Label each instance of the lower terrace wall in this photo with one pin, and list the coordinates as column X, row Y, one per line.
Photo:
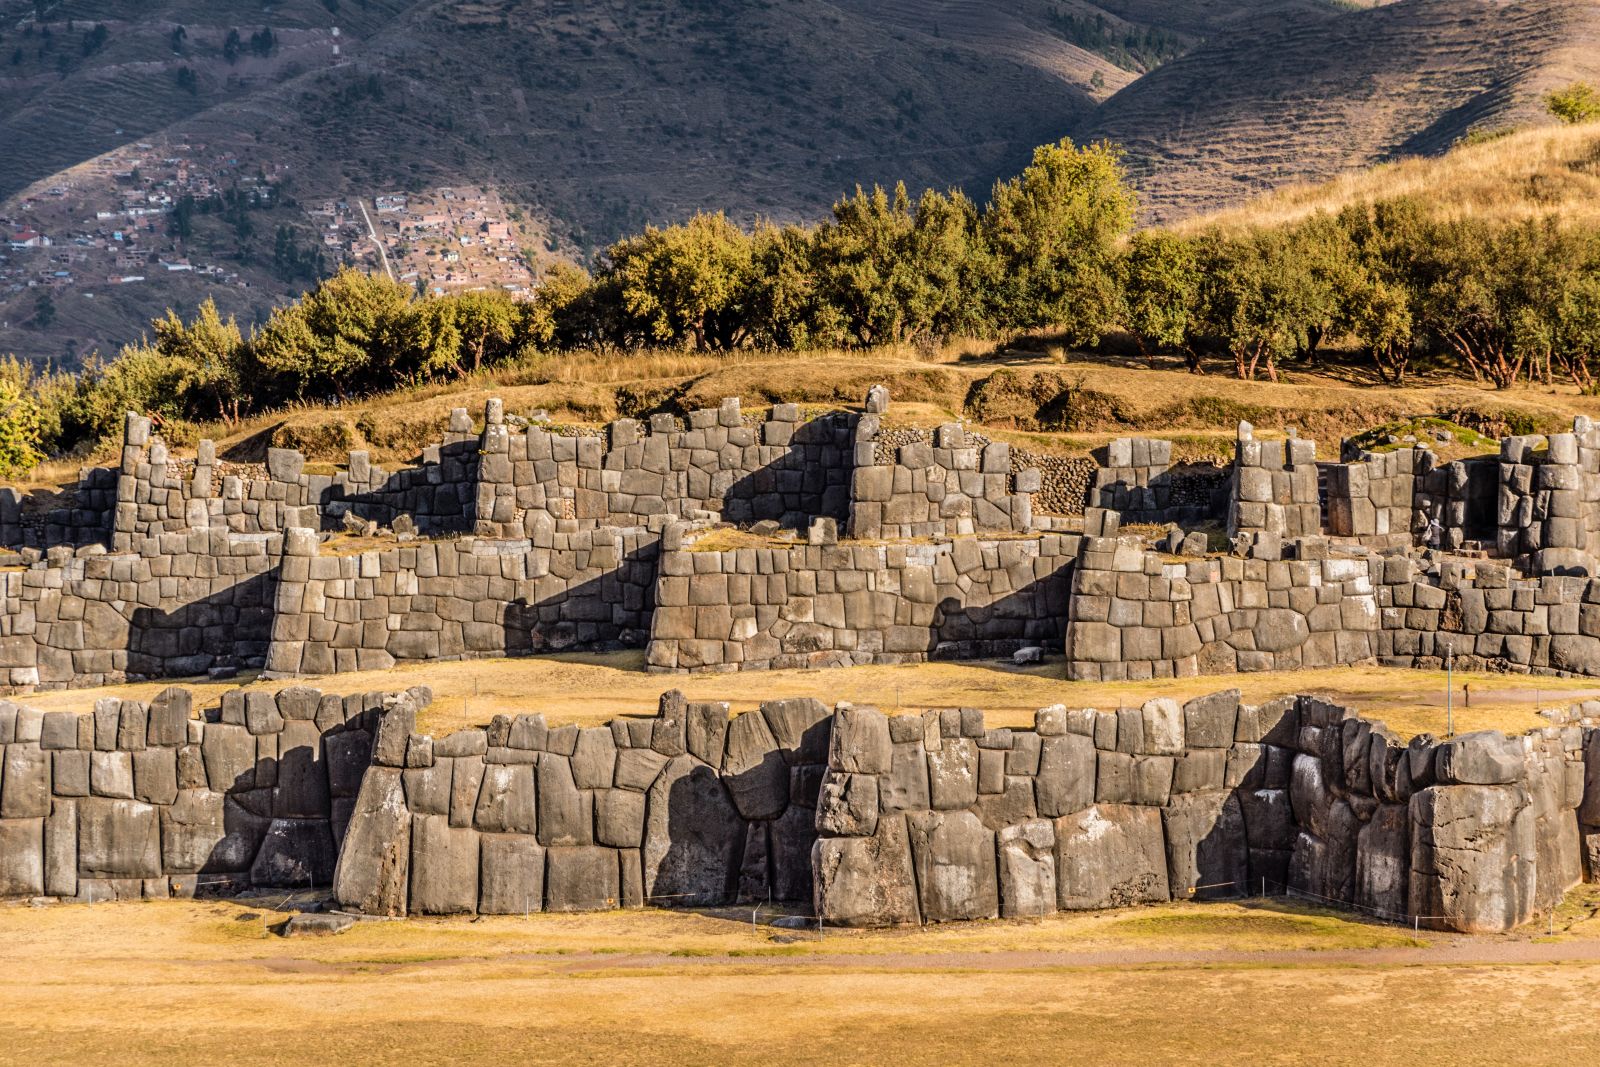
column 1135, row 614
column 429, row 600
column 877, row 820
column 142, row 800
column 686, row 809
column 938, row 818
column 855, row 603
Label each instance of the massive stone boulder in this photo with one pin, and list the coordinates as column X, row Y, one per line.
column 693, row 837
column 1110, row 856
column 866, row 881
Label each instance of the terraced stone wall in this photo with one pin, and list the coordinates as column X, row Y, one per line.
column 1137, row 614
column 938, row 818
column 855, row 603
column 454, row 599
column 143, row 800
column 689, row 808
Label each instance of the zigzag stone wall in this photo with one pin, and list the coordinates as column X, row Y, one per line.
column 686, row 809
column 938, row 819
column 143, row 800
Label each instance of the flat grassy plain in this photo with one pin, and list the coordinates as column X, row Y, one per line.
column 590, row 689
column 1267, row 983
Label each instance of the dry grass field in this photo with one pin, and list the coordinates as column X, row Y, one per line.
column 591, row 689
column 1254, row 983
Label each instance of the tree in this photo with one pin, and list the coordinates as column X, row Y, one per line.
column 685, row 281
column 1475, row 279
column 787, row 307
column 1161, row 287
column 231, row 47
column 488, row 321
column 44, row 311
column 1257, row 297
column 344, row 335
column 1053, row 233
column 214, row 358
column 1574, row 103
column 19, row 430
column 1383, row 322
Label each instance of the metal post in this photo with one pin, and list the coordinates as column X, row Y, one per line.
column 1449, row 691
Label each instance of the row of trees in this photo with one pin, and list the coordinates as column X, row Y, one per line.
column 1054, row 249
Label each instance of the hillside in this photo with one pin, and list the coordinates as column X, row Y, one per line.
column 571, row 122
column 1309, row 100
column 1534, row 173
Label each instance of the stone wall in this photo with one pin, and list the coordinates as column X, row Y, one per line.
column 180, row 604
column 686, row 809
column 1275, row 487
column 1137, row 480
column 1549, row 506
column 949, row 488
column 143, row 800
column 558, row 590
column 938, row 818
column 853, row 603
column 1135, row 614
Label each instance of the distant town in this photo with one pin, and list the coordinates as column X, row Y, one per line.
column 111, row 222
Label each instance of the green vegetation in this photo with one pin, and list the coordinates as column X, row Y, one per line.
column 19, row 427
column 1574, row 103
column 1053, row 251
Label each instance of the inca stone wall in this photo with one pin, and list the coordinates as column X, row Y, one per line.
column 143, row 800
column 1135, row 614
column 877, row 820
column 685, row 809
column 1275, row 487
column 466, row 598
column 938, row 818
column 852, row 603
column 949, row 488
column 1137, row 480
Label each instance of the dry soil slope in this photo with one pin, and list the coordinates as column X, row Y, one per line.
column 1309, row 99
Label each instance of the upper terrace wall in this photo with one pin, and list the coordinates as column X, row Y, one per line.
column 824, row 605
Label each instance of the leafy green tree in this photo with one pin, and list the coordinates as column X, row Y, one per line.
column 19, row 430
column 1257, row 297
column 1574, row 103
column 489, row 322
column 1161, row 286
column 1053, row 233
column 1476, row 279
column 344, row 335
column 685, row 282
column 215, row 359
column 787, row 307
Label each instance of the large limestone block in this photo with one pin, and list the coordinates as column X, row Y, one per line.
column 693, row 836
column 507, row 800
column 511, row 876
column 954, row 856
column 302, row 790
column 375, row 862
column 191, row 829
column 229, row 753
column 860, row 740
column 1383, row 861
column 953, row 774
column 848, row 805
column 566, row 814
column 1325, row 864
column 1027, row 868
column 1066, row 779
column 791, row 837
column 582, row 878
column 905, row 787
column 1487, row 757
column 1110, row 856
column 22, row 857
column 60, row 849
column 754, row 769
column 1472, row 857
column 801, row 726
column 594, row 760
column 444, row 867
column 296, row 853
column 1209, row 721
column 25, row 782
column 118, row 839
column 619, row 818
column 1208, row 855
column 866, row 881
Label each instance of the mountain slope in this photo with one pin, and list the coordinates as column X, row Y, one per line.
column 1310, row 99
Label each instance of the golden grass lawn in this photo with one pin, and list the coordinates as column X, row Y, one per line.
column 203, row 982
column 592, row 689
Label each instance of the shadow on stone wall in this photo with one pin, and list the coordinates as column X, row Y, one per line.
column 230, row 629
column 793, row 491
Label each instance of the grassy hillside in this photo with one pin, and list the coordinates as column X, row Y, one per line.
column 1534, row 173
column 1306, row 101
